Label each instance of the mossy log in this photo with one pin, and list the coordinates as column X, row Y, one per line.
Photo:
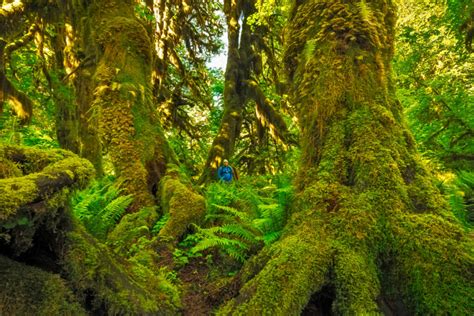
column 116, row 286
column 37, row 229
column 368, row 226
column 38, row 193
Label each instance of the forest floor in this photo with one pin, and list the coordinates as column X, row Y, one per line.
column 194, row 277
column 204, row 286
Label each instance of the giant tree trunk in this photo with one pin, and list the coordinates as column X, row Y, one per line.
column 369, row 232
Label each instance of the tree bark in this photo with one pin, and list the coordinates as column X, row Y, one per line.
column 367, row 221
column 121, row 97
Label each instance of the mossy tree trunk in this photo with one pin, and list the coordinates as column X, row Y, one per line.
column 121, row 97
column 368, row 226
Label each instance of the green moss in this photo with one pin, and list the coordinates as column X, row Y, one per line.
column 356, row 281
column 9, row 169
column 434, row 264
column 376, row 224
column 119, row 286
column 182, row 203
column 288, row 278
column 38, row 198
column 27, row 290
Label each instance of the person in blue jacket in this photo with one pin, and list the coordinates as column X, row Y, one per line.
column 226, row 173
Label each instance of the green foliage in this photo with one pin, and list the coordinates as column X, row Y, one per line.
column 26, row 74
column 143, row 12
column 460, row 15
column 243, row 216
column 160, row 223
column 460, row 192
column 434, row 82
column 100, row 206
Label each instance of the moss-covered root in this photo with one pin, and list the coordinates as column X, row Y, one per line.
column 433, row 266
column 299, row 266
column 356, row 282
column 112, row 285
column 182, row 203
column 426, row 266
column 27, row 290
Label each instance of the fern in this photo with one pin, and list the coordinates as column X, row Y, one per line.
column 100, row 206
column 246, row 217
column 461, row 197
column 233, row 212
column 160, row 223
column 271, row 237
column 115, row 209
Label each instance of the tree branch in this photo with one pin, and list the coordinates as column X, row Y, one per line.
column 22, row 104
column 267, row 115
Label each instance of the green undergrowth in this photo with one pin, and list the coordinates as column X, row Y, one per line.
column 241, row 217
column 461, row 197
column 100, row 206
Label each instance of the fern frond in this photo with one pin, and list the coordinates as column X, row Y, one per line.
column 218, row 242
column 221, row 217
column 235, row 253
column 272, row 237
column 263, row 224
column 115, row 209
column 239, row 231
column 232, row 211
column 465, row 180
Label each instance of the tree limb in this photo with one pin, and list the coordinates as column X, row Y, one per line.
column 21, row 103
column 267, row 115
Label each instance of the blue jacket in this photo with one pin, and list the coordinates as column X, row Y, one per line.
column 225, row 173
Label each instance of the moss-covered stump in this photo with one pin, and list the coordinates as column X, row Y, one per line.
column 38, row 194
column 28, row 290
column 182, row 203
column 369, row 228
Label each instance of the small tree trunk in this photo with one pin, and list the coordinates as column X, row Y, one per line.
column 237, row 73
